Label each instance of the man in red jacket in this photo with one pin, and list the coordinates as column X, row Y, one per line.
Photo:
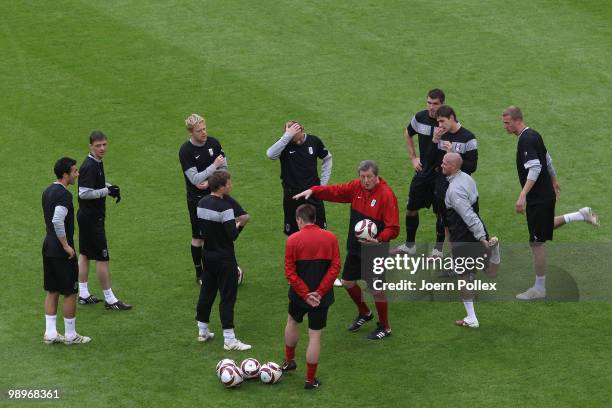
column 312, row 263
column 370, row 197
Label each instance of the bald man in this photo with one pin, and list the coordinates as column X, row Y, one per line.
column 467, row 234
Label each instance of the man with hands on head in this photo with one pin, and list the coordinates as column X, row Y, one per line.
column 298, row 152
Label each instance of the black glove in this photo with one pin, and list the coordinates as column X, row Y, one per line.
column 115, row 192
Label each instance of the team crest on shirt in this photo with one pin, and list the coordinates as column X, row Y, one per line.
column 310, row 150
column 373, row 203
column 211, row 152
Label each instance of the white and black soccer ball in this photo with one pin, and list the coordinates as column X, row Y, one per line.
column 230, row 376
column 250, row 368
column 223, row 363
column 270, row 373
column 365, row 229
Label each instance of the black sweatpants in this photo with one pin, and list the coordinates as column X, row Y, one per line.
column 222, row 277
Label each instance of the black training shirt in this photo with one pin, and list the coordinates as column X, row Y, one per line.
column 200, row 158
column 57, row 195
column 299, row 163
column 91, row 176
column 531, row 150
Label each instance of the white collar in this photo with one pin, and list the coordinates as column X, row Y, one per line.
column 94, row 157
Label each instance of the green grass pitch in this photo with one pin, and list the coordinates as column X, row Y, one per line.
column 353, row 73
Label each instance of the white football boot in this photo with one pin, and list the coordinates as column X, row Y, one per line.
column 204, row 336
column 467, row 322
column 405, row 249
column 531, row 294
column 236, row 344
column 589, row 216
column 78, row 339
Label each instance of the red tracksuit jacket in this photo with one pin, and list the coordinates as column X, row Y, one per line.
column 312, row 263
column 378, row 204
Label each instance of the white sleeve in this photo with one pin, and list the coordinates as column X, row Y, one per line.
column 277, row 148
column 59, row 215
column 91, row 194
column 326, row 169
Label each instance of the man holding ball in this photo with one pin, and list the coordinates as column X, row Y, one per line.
column 370, row 197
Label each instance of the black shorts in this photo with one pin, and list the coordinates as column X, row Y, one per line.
column 92, row 239
column 61, row 275
column 351, row 271
column 290, row 205
column 540, row 221
column 475, row 257
column 192, row 207
column 317, row 317
column 421, row 194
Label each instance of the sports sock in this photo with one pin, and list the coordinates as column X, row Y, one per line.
column 495, row 255
column 289, row 352
column 469, row 308
column 196, row 256
column 540, row 283
column 382, row 307
column 355, row 294
column 311, row 370
column 573, row 217
column 70, row 328
column 202, row 328
column 109, row 296
column 84, row 290
column 412, row 224
column 229, row 335
column 51, row 328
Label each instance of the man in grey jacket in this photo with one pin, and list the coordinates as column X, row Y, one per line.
column 468, row 236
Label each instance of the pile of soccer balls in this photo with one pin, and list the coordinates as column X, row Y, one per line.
column 232, row 375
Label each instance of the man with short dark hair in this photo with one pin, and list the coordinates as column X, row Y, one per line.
column 200, row 157
column 59, row 258
column 220, row 229
column 372, row 198
column 453, row 137
column 421, row 194
column 312, row 263
column 540, row 191
column 93, row 190
column 298, row 152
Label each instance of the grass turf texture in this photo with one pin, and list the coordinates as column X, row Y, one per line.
column 353, row 73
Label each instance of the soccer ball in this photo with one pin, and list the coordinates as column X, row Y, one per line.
column 240, row 275
column 270, row 373
column 230, row 376
column 365, row 229
column 223, row 363
column 250, row 368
